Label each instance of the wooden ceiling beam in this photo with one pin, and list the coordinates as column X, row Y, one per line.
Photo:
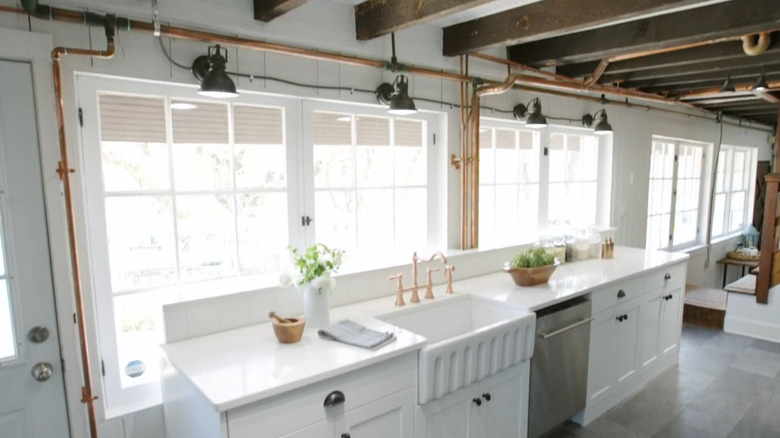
column 546, row 19
column 722, row 20
column 693, row 86
column 267, row 10
column 375, row 18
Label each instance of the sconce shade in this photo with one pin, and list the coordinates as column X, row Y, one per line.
column 397, row 96
column 761, row 83
column 215, row 82
column 602, row 126
column 535, row 118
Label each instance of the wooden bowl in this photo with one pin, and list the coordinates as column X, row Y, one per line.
column 289, row 332
column 531, row 276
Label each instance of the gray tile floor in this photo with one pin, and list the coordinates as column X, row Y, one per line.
column 725, row 386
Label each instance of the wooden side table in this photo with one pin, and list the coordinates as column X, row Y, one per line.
column 744, row 263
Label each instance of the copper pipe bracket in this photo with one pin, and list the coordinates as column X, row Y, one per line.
column 61, row 170
column 455, row 161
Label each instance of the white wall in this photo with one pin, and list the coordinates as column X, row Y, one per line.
column 330, row 26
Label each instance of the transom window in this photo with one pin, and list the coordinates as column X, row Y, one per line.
column 675, row 193
column 733, row 190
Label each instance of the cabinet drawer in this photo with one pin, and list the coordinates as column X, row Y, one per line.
column 616, row 293
column 667, row 276
column 305, row 406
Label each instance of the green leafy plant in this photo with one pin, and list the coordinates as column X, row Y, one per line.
column 532, row 258
column 314, row 266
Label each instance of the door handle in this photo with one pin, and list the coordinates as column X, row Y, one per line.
column 333, row 399
column 565, row 329
column 42, row 371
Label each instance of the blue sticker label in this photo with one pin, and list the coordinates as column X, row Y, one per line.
column 135, row 368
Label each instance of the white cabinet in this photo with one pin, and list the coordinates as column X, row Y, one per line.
column 613, row 350
column 496, row 407
column 635, row 335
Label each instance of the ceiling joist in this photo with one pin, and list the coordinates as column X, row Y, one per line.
column 375, row 18
column 267, row 10
column 723, row 20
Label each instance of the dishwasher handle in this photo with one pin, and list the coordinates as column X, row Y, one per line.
column 565, row 329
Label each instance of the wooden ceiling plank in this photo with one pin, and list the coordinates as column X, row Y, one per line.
column 722, row 20
column 267, row 10
column 375, row 18
column 736, row 67
column 716, row 78
column 712, row 53
column 545, row 19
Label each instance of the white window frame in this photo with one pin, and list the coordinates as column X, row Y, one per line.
column 728, row 163
column 704, row 185
column 603, row 182
column 117, row 400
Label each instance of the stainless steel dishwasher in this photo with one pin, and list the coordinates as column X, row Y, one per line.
column 559, row 366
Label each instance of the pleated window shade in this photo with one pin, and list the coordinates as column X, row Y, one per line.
column 485, row 138
column 258, row 125
column 132, row 118
column 408, row 133
column 505, row 139
column 330, row 131
column 206, row 124
column 373, row 131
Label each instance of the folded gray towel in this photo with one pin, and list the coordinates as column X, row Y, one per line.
column 351, row 333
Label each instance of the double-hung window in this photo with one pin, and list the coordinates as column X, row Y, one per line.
column 676, row 193
column 530, row 179
column 733, row 200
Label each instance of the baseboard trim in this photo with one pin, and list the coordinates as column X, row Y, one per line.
column 741, row 326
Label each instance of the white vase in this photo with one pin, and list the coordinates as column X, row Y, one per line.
column 315, row 307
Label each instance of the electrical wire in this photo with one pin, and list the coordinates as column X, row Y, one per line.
column 165, row 52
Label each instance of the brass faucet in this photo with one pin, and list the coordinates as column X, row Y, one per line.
column 399, row 293
column 448, row 272
column 415, row 287
column 429, row 285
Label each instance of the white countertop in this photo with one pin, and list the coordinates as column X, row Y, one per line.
column 245, row 365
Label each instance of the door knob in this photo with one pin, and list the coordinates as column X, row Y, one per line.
column 38, row 334
column 42, row 371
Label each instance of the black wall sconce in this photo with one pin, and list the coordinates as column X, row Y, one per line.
column 602, row 125
column 210, row 71
column 534, row 112
column 397, row 96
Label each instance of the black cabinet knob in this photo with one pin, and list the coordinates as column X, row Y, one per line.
column 621, row 293
column 620, row 318
column 668, row 276
column 333, row 399
column 477, row 401
column 486, row 396
column 345, row 435
column 625, row 317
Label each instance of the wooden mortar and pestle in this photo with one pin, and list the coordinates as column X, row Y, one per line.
column 287, row 330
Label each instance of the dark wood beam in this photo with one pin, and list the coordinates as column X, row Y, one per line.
column 267, row 10
column 736, row 66
column 702, row 84
column 711, row 53
column 375, row 18
column 545, row 19
column 729, row 19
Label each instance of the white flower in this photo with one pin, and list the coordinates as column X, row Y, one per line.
column 319, row 281
column 285, row 280
column 324, row 258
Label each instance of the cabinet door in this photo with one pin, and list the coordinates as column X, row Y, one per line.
column 455, row 415
column 501, row 412
column 600, row 363
column 671, row 322
column 388, row 417
column 651, row 311
column 625, row 336
column 323, row 429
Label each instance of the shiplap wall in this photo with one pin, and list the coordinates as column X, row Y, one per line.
column 330, row 26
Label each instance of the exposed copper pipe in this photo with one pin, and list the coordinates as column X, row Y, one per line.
column 520, row 66
column 11, row 9
column 64, row 170
column 464, row 111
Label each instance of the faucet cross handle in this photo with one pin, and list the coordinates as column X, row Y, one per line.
column 448, row 272
column 399, row 293
column 429, row 284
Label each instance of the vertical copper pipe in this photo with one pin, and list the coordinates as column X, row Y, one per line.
column 87, row 394
column 474, row 160
column 463, row 140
